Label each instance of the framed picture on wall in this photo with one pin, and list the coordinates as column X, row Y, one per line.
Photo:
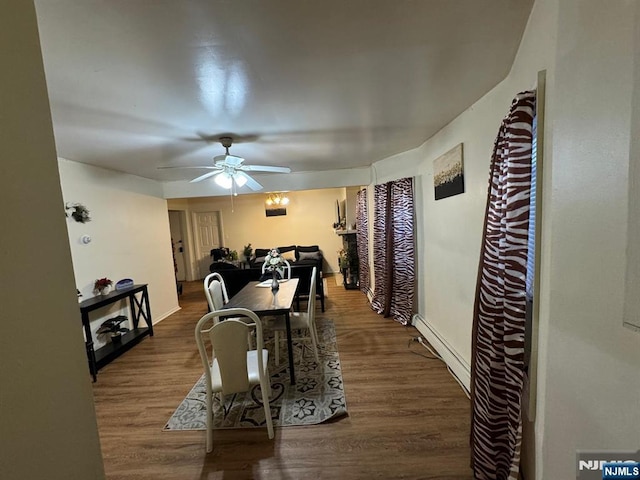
column 448, row 173
column 275, row 211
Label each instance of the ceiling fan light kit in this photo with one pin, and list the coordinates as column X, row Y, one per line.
column 229, row 169
column 224, row 180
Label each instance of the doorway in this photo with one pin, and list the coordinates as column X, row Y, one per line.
column 177, row 232
column 207, row 235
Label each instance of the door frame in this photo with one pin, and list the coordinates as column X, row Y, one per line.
column 187, row 241
column 195, row 269
column 181, row 217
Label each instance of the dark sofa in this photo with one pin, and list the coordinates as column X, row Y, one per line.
column 301, row 258
column 295, row 254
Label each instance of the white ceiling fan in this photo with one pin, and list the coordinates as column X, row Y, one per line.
column 229, row 169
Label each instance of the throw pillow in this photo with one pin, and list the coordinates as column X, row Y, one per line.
column 300, row 249
column 283, row 250
column 309, row 256
column 289, row 256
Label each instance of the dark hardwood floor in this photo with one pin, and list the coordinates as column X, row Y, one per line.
column 408, row 418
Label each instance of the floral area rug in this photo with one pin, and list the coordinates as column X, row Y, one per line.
column 317, row 396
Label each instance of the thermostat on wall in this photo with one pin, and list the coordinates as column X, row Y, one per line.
column 124, row 284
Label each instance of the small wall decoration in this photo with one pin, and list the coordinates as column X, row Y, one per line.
column 275, row 212
column 276, row 204
column 448, row 175
column 77, row 211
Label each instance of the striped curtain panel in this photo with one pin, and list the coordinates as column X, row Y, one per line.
column 394, row 250
column 362, row 238
column 499, row 312
column 381, row 207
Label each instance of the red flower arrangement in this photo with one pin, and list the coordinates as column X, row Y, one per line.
column 102, row 283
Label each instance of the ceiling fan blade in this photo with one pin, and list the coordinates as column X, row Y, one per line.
column 251, row 183
column 204, row 177
column 209, row 167
column 265, row 168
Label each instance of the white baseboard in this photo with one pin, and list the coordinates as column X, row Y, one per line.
column 167, row 314
column 451, row 357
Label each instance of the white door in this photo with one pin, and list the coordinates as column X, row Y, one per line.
column 207, row 226
column 175, row 225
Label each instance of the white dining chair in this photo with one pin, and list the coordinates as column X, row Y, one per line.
column 284, row 271
column 285, row 274
column 216, row 291
column 230, row 367
column 299, row 321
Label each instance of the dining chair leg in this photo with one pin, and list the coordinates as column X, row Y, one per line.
column 264, row 387
column 276, row 346
column 314, row 341
column 269, row 391
column 302, row 348
column 209, row 441
column 292, row 373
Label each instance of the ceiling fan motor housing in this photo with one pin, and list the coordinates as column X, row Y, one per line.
column 226, row 142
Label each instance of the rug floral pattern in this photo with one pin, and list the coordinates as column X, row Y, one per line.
column 317, row 396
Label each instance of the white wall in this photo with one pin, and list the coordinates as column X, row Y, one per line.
column 130, row 235
column 351, row 200
column 588, row 390
column 592, row 379
column 47, row 419
column 449, row 248
column 632, row 299
column 309, row 221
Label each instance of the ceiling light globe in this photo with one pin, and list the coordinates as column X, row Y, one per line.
column 224, row 180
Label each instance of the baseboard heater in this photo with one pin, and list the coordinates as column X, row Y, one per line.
column 457, row 365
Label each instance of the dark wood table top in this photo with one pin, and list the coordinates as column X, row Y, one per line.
column 262, row 301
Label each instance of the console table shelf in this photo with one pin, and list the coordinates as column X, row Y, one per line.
column 138, row 307
column 112, row 350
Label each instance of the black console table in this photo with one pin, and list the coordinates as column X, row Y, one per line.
column 139, row 307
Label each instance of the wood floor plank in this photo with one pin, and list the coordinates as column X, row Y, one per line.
column 408, row 418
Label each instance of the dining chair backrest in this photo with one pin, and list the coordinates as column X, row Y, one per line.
column 229, row 345
column 228, row 340
column 301, row 321
column 216, row 291
column 311, row 304
column 232, row 367
column 284, row 270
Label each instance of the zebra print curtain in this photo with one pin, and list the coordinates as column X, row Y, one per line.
column 499, row 312
column 394, row 250
column 362, row 237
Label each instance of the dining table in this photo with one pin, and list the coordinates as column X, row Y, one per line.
column 263, row 301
